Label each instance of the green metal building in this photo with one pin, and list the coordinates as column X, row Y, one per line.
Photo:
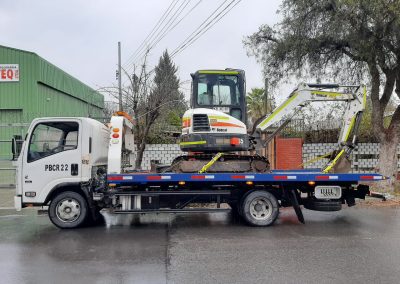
column 32, row 87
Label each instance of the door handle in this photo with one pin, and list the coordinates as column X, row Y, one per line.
column 74, row 169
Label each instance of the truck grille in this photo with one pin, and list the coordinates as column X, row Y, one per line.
column 200, row 123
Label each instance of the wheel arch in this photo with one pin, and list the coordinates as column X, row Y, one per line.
column 62, row 187
column 274, row 191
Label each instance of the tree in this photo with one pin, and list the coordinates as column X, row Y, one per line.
column 348, row 40
column 164, row 94
column 148, row 98
column 168, row 126
column 258, row 105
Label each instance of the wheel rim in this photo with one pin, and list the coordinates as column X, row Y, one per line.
column 261, row 208
column 68, row 210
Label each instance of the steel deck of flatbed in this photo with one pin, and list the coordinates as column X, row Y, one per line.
column 273, row 177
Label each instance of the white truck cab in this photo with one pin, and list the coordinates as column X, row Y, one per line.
column 58, row 153
column 63, row 159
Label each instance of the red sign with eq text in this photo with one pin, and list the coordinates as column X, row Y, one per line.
column 9, row 72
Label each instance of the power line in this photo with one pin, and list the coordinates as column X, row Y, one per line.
column 208, row 23
column 200, row 26
column 155, row 28
column 203, row 29
column 167, row 29
column 161, row 32
column 195, row 39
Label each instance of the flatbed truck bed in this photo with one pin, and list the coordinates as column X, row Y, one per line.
column 140, row 193
column 273, row 177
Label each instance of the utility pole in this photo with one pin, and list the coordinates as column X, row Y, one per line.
column 119, row 77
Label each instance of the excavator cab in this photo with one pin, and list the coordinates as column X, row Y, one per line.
column 221, row 90
column 216, row 121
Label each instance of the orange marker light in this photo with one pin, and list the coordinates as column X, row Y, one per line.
column 249, row 182
column 181, row 183
column 235, row 141
column 115, row 129
column 311, row 183
column 115, row 135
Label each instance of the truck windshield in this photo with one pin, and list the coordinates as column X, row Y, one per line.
column 52, row 137
column 218, row 90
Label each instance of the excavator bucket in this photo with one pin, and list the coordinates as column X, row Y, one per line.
column 341, row 165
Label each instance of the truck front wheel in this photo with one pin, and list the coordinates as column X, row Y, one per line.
column 68, row 210
column 260, row 208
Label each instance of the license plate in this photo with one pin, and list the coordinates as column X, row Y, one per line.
column 327, row 192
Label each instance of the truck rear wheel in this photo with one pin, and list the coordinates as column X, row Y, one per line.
column 68, row 210
column 260, row 208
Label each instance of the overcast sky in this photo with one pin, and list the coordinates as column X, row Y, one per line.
column 81, row 37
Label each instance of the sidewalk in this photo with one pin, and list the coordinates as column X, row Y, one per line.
column 7, row 198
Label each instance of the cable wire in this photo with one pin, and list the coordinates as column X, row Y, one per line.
column 161, row 33
column 155, row 28
column 191, row 39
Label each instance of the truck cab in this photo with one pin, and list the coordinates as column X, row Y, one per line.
column 58, row 153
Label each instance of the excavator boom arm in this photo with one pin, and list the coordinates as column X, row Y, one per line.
column 307, row 93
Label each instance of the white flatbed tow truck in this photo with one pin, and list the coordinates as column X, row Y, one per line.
column 79, row 166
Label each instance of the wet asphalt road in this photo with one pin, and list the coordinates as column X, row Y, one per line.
column 356, row 245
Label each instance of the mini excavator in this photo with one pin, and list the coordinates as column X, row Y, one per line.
column 215, row 129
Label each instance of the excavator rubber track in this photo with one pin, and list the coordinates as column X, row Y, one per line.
column 226, row 163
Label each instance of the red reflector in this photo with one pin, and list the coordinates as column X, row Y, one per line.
column 115, row 178
column 154, row 177
column 367, row 177
column 322, row 177
column 280, row 177
column 198, row 177
column 115, row 135
column 238, row 177
column 235, row 141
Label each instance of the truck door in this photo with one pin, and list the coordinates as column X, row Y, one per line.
column 51, row 158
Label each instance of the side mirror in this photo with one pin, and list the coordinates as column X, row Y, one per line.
column 14, row 148
column 16, row 145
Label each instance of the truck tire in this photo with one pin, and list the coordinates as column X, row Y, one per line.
column 327, row 206
column 68, row 210
column 260, row 208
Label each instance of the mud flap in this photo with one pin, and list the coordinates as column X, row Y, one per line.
column 296, row 206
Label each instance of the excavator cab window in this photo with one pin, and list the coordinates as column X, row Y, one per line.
column 217, row 90
column 221, row 92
